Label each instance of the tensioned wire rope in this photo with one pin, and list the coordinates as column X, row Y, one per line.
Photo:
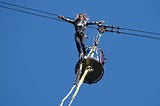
column 53, row 14
column 11, row 4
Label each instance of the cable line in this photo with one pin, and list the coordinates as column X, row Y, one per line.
column 132, row 34
column 112, row 28
column 154, row 33
column 135, row 30
column 28, row 8
column 27, row 12
column 40, row 11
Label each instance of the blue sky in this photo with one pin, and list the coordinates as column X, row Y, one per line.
column 38, row 55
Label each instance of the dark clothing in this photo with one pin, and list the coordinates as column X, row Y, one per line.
column 80, row 41
column 80, row 35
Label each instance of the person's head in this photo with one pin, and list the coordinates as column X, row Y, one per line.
column 82, row 17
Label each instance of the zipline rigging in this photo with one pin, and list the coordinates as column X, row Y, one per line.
column 117, row 29
column 90, row 67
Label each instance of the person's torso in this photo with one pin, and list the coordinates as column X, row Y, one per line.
column 80, row 26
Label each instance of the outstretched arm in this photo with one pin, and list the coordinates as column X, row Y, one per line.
column 66, row 19
column 96, row 23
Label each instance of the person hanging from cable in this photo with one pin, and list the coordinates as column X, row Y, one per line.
column 80, row 23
